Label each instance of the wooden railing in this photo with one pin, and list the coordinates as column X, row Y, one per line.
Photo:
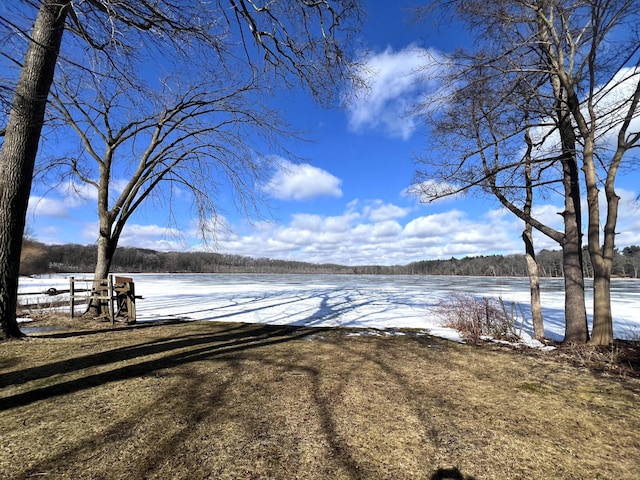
column 116, row 296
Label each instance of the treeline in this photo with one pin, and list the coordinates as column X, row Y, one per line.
column 39, row 258
column 626, row 263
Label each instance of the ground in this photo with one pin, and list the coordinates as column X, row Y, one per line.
column 225, row 400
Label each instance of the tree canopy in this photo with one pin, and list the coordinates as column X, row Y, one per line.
column 142, row 48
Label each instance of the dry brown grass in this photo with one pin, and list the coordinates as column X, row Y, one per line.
column 232, row 401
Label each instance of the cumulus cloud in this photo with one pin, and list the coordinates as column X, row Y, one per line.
column 366, row 232
column 294, row 181
column 48, row 207
column 154, row 237
column 381, row 230
column 60, row 201
column 612, row 102
column 611, row 105
column 380, row 212
column 434, row 225
column 394, row 83
column 374, row 232
column 549, row 214
column 431, row 191
column 320, row 223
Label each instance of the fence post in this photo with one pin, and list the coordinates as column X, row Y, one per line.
column 72, row 302
column 110, row 295
column 131, row 302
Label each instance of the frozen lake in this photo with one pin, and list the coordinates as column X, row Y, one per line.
column 367, row 301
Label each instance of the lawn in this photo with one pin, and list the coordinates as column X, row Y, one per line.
column 246, row 401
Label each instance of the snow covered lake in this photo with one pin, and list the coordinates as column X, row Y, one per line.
column 364, row 301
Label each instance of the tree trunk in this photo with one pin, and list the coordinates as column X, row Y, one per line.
column 602, row 319
column 527, row 237
column 576, row 327
column 534, row 284
column 20, row 147
column 106, row 249
column 601, row 256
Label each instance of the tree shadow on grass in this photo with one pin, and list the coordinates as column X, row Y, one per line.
column 226, row 343
column 174, row 350
column 199, row 402
column 58, row 331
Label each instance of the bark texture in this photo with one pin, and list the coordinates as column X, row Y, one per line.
column 534, row 284
column 576, row 327
column 20, row 148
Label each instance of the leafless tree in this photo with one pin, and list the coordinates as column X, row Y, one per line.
column 134, row 148
column 290, row 42
column 527, row 236
column 586, row 53
column 592, row 48
column 485, row 130
column 19, row 148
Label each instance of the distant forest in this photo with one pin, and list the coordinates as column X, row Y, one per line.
column 38, row 258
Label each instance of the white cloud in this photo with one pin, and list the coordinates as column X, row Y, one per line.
column 48, row 207
column 154, row 237
column 627, row 227
column 431, row 191
column 435, row 225
column 60, row 201
column 549, row 214
column 379, row 212
column 360, row 236
column 302, row 181
column 613, row 102
column 367, row 232
column 611, row 105
column 383, row 230
column 318, row 223
column 394, row 83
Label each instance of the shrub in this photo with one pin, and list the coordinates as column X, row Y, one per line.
column 476, row 317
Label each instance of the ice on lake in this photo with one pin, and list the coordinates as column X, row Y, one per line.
column 363, row 301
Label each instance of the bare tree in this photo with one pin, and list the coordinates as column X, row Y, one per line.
column 527, row 236
column 19, row 149
column 484, row 129
column 587, row 53
column 134, row 148
column 591, row 47
column 287, row 42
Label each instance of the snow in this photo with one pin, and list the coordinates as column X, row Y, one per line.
column 382, row 304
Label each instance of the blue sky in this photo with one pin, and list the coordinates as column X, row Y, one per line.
column 345, row 199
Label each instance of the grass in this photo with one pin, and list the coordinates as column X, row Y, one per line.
column 232, row 401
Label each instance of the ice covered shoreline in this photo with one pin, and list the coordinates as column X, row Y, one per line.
column 362, row 301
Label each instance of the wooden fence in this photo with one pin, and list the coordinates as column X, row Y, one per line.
column 115, row 295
